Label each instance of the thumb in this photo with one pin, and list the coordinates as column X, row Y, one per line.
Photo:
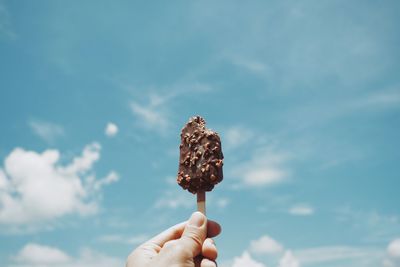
column 195, row 233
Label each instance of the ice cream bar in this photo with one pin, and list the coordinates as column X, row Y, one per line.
column 201, row 158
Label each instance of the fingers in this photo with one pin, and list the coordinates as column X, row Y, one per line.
column 209, row 250
column 204, row 262
column 175, row 232
column 213, row 229
column 207, row 263
column 155, row 244
column 172, row 233
column 194, row 234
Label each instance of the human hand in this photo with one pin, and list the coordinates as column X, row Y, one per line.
column 187, row 244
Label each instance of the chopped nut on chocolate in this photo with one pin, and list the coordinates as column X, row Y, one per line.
column 199, row 147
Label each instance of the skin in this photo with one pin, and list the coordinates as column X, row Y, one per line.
column 188, row 244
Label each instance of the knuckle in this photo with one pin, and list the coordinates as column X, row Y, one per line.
column 197, row 240
column 195, row 236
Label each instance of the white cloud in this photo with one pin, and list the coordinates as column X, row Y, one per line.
column 38, row 188
column 318, row 256
column 263, row 176
column 83, row 163
column 97, row 184
column 111, row 129
column 393, row 254
column 394, row 248
column 265, row 245
column 246, row 261
column 36, row 255
column 288, row 260
column 265, row 168
column 301, row 210
column 47, row 131
column 3, row 181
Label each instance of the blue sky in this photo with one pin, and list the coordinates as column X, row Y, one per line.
column 305, row 96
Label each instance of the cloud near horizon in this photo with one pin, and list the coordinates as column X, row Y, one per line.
column 37, row 255
column 246, row 260
column 265, row 245
column 393, row 254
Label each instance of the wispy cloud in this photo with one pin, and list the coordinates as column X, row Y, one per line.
column 236, row 136
column 301, row 210
column 254, row 66
column 150, row 116
column 266, row 167
column 379, row 99
column 332, row 110
column 377, row 226
column 47, row 131
column 155, row 113
column 222, row 202
column 173, row 200
column 6, row 30
column 299, row 59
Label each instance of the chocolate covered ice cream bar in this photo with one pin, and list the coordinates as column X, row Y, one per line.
column 201, row 158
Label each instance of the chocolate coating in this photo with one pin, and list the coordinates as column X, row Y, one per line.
column 201, row 158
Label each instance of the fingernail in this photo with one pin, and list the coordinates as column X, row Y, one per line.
column 197, row 219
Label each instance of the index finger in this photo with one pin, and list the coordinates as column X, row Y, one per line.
column 175, row 232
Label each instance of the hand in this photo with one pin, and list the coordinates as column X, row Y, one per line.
column 187, row 244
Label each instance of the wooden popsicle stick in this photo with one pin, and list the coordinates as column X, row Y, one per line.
column 201, row 202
